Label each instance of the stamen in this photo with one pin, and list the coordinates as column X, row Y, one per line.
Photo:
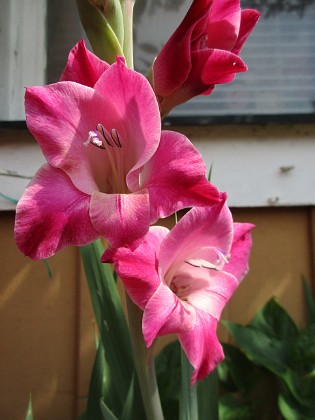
column 116, row 137
column 202, row 263
column 105, row 134
column 94, row 139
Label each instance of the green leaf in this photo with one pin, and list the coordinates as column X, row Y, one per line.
column 101, row 387
column 266, row 351
column 301, row 387
column 310, row 302
column 110, row 318
column 106, row 412
column 232, row 409
column 167, row 366
column 274, row 321
column 236, row 372
column 188, row 400
column 48, row 268
column 6, row 197
column 131, row 409
column 302, row 350
column 291, row 410
column 208, row 397
column 29, row 412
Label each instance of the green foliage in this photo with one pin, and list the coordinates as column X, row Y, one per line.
column 271, row 345
column 29, row 411
column 113, row 390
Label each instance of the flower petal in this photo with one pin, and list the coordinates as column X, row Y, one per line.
column 202, row 346
column 223, row 24
column 242, row 244
column 60, row 116
column 133, row 101
column 121, row 218
column 199, row 228
column 83, row 67
column 52, row 214
column 249, row 18
column 137, row 267
column 166, row 314
column 175, row 177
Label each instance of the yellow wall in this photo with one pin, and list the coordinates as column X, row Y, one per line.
column 47, row 328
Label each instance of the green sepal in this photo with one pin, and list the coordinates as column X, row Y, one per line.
column 100, row 33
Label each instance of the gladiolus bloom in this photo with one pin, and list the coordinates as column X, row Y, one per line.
column 182, row 279
column 110, row 170
column 203, row 51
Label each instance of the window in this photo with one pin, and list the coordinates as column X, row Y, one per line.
column 280, row 54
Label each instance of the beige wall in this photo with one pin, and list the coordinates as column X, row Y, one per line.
column 47, row 328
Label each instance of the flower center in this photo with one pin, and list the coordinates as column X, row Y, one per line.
column 111, row 142
column 187, row 277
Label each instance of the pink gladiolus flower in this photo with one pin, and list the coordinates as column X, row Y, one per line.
column 203, row 51
column 183, row 278
column 111, row 172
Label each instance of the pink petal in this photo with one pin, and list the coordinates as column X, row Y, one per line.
column 83, row 67
column 249, row 18
column 199, row 228
column 121, row 218
column 138, row 117
column 202, row 346
column 176, row 52
column 206, row 289
column 215, row 66
column 223, row 24
column 175, row 177
column 242, row 244
column 60, row 117
column 52, row 214
column 166, row 314
column 137, row 267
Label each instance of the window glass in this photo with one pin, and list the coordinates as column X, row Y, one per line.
column 280, row 54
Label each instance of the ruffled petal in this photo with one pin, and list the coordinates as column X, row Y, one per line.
column 83, row 67
column 60, row 117
column 249, row 18
column 166, row 314
column 175, row 177
column 242, row 244
column 121, row 218
column 52, row 214
column 137, row 268
column 198, row 229
column 202, row 346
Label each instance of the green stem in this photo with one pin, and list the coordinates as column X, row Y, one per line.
column 144, row 364
column 188, row 400
column 127, row 11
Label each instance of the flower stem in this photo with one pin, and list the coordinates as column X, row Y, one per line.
column 144, row 364
column 127, row 11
